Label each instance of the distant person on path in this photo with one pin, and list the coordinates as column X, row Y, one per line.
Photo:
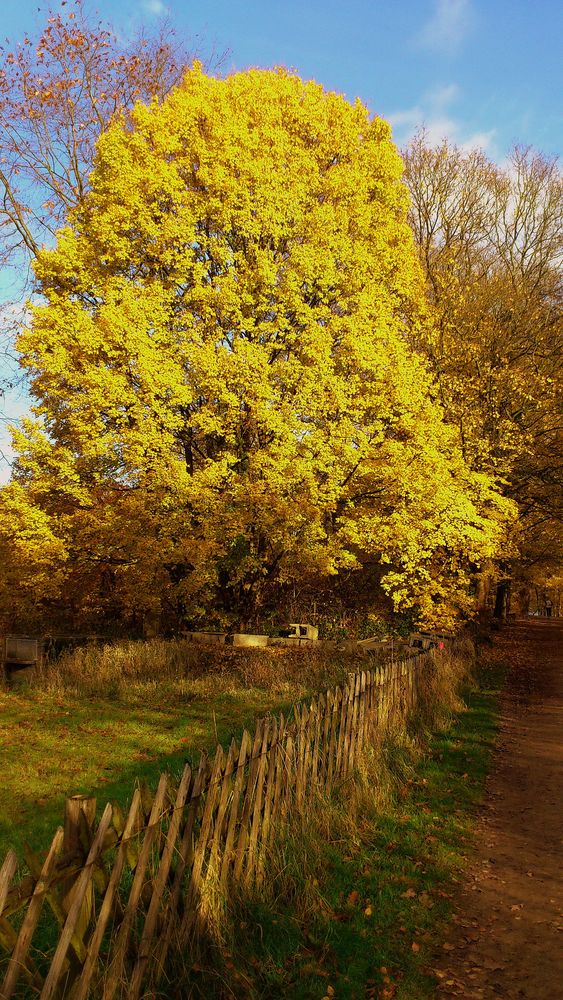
column 548, row 607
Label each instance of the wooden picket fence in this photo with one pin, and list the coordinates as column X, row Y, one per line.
column 104, row 912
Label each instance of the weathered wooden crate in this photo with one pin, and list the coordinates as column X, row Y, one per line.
column 305, row 631
column 208, row 638
column 248, row 639
column 421, row 640
column 22, row 651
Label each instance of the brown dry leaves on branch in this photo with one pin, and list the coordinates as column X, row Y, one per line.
column 57, row 94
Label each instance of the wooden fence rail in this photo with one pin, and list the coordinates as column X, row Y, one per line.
column 102, row 912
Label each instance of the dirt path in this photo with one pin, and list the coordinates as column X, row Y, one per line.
column 507, row 935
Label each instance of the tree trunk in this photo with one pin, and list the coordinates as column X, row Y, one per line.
column 502, row 600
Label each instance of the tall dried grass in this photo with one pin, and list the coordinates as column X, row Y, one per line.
column 295, row 863
column 132, row 671
column 441, row 684
column 381, row 771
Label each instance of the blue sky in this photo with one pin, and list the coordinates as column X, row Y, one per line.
column 481, row 72
column 487, row 72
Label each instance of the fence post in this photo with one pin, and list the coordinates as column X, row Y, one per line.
column 80, row 814
column 76, row 806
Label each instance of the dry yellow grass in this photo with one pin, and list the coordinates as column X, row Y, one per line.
column 130, row 669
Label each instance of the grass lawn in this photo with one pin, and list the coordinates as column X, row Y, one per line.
column 61, row 737
column 53, row 746
column 362, row 908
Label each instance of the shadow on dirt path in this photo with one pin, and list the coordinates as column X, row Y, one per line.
column 507, row 937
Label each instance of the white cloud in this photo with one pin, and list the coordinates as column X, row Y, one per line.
column 433, row 113
column 154, row 7
column 447, row 28
column 14, row 400
column 479, row 140
column 441, row 97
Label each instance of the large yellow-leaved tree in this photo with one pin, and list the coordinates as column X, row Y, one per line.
column 226, row 398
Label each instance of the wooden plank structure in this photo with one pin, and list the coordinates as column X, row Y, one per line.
column 101, row 913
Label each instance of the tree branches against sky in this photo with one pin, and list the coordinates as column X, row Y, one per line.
column 483, row 72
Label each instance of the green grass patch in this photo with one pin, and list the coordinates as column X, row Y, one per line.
column 53, row 746
column 101, row 718
column 359, row 901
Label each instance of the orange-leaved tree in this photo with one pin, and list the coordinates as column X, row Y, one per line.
column 58, row 92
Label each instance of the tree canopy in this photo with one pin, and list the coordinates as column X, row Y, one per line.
column 227, row 398
column 58, row 92
column 491, row 243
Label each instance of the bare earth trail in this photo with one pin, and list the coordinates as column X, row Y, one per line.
column 507, row 937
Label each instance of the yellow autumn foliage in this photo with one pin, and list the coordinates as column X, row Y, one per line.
column 226, row 399
column 490, row 240
column 32, row 556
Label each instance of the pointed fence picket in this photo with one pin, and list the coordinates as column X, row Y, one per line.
column 125, row 893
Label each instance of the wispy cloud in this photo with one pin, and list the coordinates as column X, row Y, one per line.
column 155, row 7
column 447, row 28
column 433, row 112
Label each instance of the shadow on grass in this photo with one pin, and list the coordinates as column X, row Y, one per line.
column 53, row 748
